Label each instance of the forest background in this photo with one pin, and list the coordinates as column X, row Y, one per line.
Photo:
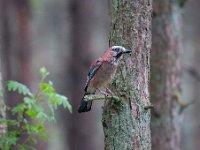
column 66, row 36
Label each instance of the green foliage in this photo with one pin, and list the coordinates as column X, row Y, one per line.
column 55, row 99
column 32, row 113
column 16, row 86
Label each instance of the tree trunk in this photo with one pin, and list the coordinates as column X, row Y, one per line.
column 165, row 75
column 127, row 123
column 195, row 110
column 15, row 48
column 191, row 79
column 2, row 103
column 2, row 109
column 82, row 133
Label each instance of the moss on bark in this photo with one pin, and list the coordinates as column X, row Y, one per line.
column 129, row 128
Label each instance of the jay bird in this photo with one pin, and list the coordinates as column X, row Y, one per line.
column 101, row 73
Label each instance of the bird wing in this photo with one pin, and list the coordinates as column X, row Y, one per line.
column 93, row 69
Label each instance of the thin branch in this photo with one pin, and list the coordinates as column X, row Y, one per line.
column 148, row 107
column 100, row 97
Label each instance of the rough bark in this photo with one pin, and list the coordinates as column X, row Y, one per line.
column 127, row 123
column 165, row 75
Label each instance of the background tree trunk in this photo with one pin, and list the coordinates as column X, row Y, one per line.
column 165, row 75
column 195, row 111
column 127, row 125
column 81, row 127
column 2, row 103
column 2, row 109
column 15, row 48
column 191, row 79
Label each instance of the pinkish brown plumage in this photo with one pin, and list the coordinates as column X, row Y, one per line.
column 101, row 73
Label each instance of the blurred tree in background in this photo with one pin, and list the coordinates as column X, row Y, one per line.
column 47, row 31
column 81, row 131
column 190, row 134
column 15, row 45
column 166, row 75
column 2, row 110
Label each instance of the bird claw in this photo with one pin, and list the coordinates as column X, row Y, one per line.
column 110, row 92
column 106, row 93
column 103, row 92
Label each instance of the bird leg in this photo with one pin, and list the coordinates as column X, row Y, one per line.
column 110, row 92
column 103, row 92
column 107, row 92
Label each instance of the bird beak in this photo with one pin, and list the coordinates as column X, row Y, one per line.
column 123, row 51
column 127, row 51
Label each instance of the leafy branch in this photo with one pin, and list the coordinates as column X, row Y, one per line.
column 32, row 113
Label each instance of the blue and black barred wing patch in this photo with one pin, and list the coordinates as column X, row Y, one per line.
column 92, row 72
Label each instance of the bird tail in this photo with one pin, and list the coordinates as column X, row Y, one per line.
column 85, row 106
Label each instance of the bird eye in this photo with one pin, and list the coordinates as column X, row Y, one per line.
column 116, row 50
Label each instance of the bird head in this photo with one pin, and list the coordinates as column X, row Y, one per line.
column 118, row 51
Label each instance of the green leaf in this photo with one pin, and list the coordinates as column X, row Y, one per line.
column 65, row 102
column 10, row 140
column 47, row 88
column 29, row 102
column 44, row 72
column 33, row 109
column 16, row 86
column 9, row 122
column 54, row 98
column 25, row 147
column 31, row 113
column 42, row 116
column 37, row 129
column 18, row 109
